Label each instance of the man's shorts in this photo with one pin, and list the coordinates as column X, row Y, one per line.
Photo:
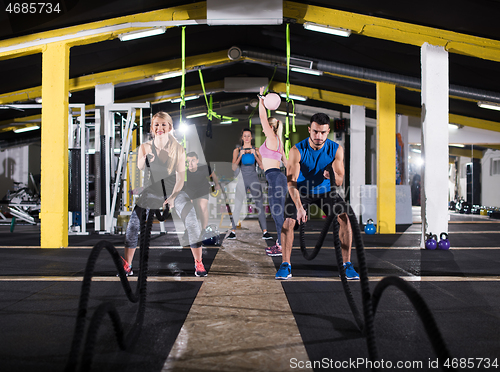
column 325, row 202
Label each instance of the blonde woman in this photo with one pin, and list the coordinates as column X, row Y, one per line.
column 164, row 160
column 272, row 155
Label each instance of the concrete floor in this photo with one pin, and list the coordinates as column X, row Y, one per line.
column 243, row 319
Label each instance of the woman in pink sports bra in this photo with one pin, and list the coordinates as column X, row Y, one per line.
column 272, row 155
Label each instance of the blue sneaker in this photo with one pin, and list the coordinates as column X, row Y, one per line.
column 350, row 273
column 284, row 272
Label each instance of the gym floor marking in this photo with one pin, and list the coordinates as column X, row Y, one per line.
column 294, row 279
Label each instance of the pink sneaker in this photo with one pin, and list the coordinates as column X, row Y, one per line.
column 199, row 269
column 127, row 268
column 273, row 251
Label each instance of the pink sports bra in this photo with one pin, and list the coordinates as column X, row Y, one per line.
column 271, row 154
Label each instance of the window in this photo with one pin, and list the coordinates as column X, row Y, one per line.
column 495, row 167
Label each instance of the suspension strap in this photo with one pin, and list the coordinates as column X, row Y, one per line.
column 210, row 112
column 183, row 82
column 288, row 144
column 183, row 59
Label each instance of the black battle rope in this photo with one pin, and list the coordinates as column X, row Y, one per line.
column 107, row 308
column 340, row 208
column 422, row 309
column 343, row 278
column 166, row 211
column 370, row 302
column 369, row 329
column 332, row 219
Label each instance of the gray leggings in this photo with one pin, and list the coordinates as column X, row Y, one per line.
column 184, row 210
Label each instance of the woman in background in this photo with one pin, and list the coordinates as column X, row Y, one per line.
column 246, row 157
column 272, row 155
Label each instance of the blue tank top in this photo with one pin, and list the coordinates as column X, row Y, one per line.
column 312, row 165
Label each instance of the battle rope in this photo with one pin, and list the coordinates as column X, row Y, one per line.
column 423, row 311
column 370, row 302
column 332, row 219
column 107, row 308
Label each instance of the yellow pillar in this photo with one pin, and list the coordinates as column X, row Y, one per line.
column 54, row 151
column 386, row 158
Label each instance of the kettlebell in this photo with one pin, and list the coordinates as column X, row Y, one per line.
column 431, row 242
column 444, row 243
column 370, row 227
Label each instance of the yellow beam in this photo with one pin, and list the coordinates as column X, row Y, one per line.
column 175, row 93
column 475, row 123
column 135, row 73
column 21, row 95
column 18, row 123
column 400, row 32
column 325, row 95
column 477, row 154
column 453, row 118
column 370, row 26
column 122, row 75
column 96, row 31
column 386, row 158
column 54, row 151
column 493, row 146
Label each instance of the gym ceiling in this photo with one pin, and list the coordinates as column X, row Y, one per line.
column 384, row 45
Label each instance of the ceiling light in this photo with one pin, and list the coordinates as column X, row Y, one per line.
column 307, row 71
column 284, row 113
column 27, row 129
column 140, row 34
column 327, row 29
column 168, row 75
column 457, row 145
column 196, row 115
column 183, row 127
column 189, row 98
column 489, row 105
column 294, row 97
column 416, row 150
column 226, row 122
column 453, row 126
column 38, row 100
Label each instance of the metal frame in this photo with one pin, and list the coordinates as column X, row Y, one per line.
column 119, row 171
column 81, row 137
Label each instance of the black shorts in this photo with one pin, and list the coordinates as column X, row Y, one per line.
column 325, row 201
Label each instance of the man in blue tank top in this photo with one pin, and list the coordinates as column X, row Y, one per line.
column 308, row 184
